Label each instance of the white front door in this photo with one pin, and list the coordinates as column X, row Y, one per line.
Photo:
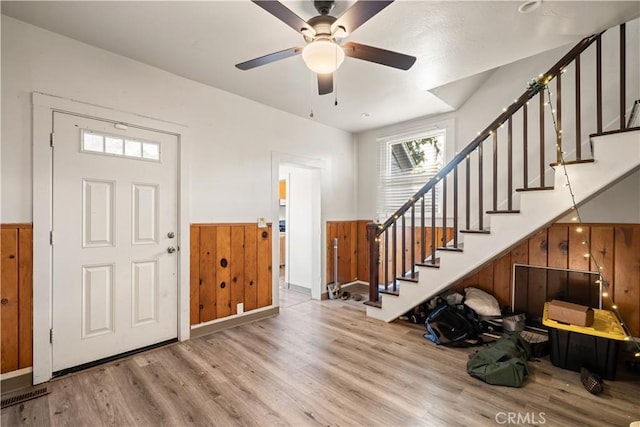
column 114, row 239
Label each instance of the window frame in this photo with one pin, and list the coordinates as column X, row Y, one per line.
column 384, row 166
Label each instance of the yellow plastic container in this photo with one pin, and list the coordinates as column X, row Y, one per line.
column 593, row 347
column 605, row 325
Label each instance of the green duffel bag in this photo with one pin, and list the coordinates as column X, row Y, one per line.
column 504, row 362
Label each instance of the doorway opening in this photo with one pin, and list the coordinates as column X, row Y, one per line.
column 298, row 254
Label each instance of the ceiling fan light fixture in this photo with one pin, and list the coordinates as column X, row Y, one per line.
column 323, row 56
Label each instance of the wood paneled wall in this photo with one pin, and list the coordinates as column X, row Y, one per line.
column 615, row 247
column 230, row 264
column 353, row 250
column 16, row 264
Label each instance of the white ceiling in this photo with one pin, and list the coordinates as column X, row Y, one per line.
column 456, row 43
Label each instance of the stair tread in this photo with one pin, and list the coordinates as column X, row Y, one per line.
column 376, row 304
column 572, row 162
column 408, row 278
column 534, row 189
column 449, row 248
column 471, row 231
column 429, row 264
column 386, row 292
column 507, row 211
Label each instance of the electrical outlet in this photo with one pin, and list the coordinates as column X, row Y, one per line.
column 240, row 308
column 262, row 223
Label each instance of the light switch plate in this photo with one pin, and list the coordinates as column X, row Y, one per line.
column 262, row 223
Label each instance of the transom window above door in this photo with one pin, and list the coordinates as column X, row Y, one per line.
column 112, row 145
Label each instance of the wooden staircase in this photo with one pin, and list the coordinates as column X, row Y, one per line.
column 616, row 156
column 512, row 214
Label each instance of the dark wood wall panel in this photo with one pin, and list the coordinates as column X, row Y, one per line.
column 223, row 275
column 236, row 267
column 615, row 249
column 602, row 238
column 207, row 275
column 362, row 249
column 579, row 236
column 9, row 329
column 250, row 267
column 348, row 234
column 194, row 275
column 265, row 290
column 16, row 293
column 625, row 287
column 231, row 264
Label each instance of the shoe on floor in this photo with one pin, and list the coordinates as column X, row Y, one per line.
column 590, row 381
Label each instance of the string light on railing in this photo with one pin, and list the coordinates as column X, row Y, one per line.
column 540, row 85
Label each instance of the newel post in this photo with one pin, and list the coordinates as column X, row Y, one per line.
column 374, row 255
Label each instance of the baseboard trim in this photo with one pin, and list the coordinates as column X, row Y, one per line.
column 16, row 380
column 233, row 321
column 298, row 288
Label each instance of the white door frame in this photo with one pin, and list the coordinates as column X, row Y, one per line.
column 318, row 254
column 42, row 200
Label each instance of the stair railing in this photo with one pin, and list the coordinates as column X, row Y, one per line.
column 383, row 238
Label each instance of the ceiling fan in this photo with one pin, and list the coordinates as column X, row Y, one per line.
column 323, row 53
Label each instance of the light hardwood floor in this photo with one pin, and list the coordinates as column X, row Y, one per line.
column 318, row 363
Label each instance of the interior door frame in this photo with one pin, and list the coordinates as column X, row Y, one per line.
column 317, row 167
column 43, row 107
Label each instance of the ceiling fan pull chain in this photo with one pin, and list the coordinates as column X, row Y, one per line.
column 335, row 80
column 311, row 87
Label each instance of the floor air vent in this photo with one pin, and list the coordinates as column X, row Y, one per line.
column 23, row 396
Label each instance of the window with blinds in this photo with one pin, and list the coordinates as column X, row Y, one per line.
column 405, row 167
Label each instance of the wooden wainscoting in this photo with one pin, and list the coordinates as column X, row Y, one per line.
column 230, row 264
column 616, row 248
column 353, row 250
column 16, row 249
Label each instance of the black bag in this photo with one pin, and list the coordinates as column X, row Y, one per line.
column 502, row 363
column 447, row 325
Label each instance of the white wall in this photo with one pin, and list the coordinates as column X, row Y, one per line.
column 619, row 204
column 231, row 139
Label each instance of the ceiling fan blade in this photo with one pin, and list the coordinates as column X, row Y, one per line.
column 377, row 55
column 267, row 59
column 284, row 14
column 359, row 13
column 325, row 83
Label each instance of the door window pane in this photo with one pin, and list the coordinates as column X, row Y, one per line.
column 151, row 151
column 132, row 148
column 92, row 142
column 113, row 145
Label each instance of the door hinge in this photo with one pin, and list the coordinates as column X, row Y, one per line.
column 51, row 237
column 51, row 139
column 51, row 336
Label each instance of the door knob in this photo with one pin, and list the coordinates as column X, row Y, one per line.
column 171, row 249
column 171, row 235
